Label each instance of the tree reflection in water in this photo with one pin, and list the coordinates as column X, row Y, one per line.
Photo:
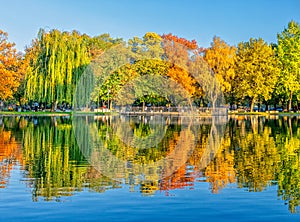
column 254, row 153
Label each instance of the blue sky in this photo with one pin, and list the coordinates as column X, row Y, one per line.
column 233, row 20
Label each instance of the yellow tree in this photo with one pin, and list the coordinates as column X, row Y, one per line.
column 221, row 58
column 11, row 68
column 256, row 71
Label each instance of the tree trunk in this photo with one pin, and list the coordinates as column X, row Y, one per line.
column 290, row 126
column 213, row 111
column 253, row 121
column 143, row 108
column 252, row 104
column 20, row 101
column 290, row 101
column 110, row 104
column 54, row 106
column 191, row 105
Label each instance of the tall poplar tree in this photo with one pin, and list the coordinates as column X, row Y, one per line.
column 289, row 57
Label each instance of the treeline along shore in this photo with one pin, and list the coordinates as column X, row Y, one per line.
column 251, row 76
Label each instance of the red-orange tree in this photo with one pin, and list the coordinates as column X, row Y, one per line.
column 177, row 52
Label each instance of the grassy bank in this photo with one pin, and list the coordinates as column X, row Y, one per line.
column 31, row 113
column 265, row 114
column 48, row 113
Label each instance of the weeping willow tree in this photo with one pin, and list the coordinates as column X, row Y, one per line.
column 58, row 60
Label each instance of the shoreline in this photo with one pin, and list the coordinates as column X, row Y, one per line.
column 34, row 114
column 8, row 113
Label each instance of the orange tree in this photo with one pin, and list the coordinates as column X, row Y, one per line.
column 11, row 68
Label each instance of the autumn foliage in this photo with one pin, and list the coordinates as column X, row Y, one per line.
column 11, row 68
column 251, row 73
column 10, row 154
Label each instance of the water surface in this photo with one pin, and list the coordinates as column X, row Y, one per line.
column 149, row 168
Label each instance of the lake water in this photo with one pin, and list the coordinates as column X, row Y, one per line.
column 119, row 168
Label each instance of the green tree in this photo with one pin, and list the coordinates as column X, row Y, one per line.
column 61, row 59
column 122, row 64
column 149, row 47
column 256, row 70
column 98, row 44
column 289, row 57
column 57, row 61
column 112, row 71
